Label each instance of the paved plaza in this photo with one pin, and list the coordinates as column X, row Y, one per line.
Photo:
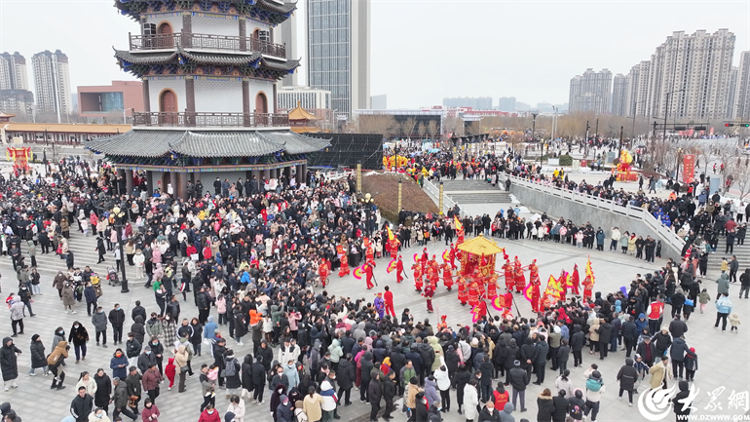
column 723, row 357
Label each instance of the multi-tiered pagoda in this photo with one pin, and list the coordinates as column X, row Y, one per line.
column 209, row 70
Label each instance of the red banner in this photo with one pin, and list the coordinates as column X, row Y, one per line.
column 688, row 168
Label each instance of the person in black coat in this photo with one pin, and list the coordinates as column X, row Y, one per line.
column 545, row 406
column 681, row 409
column 366, row 367
column 519, row 379
column 577, row 340
column 561, row 407
column 103, row 389
column 489, row 413
column 389, row 393
column 627, row 377
column 563, row 354
column 81, row 405
column 259, row 379
column 345, row 377
column 629, row 335
column 247, row 374
column 38, row 357
column 420, row 409
column 529, row 354
column 512, row 354
column 374, row 392
column 605, row 334
column 266, row 353
column 70, row 260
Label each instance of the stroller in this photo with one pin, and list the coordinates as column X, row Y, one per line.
column 112, row 277
column 96, row 282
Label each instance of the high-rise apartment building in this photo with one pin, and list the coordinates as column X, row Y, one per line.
column 477, row 103
column 688, row 77
column 741, row 109
column 731, row 107
column 591, row 92
column 13, row 72
column 506, row 104
column 338, row 51
column 52, row 83
column 619, row 95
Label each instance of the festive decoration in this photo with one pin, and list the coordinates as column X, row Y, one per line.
column 416, row 258
column 20, row 158
column 588, row 281
column 359, row 272
column 447, row 255
column 624, row 167
column 392, row 266
column 528, row 291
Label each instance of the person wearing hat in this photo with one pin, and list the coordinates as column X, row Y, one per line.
column 519, row 379
column 284, row 411
column 146, row 359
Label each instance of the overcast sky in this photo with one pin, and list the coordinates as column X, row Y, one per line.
column 423, row 51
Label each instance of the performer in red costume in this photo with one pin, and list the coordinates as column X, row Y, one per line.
column 442, row 325
column 428, row 293
column 433, row 272
column 463, row 295
column 343, row 260
column 417, row 276
column 473, row 294
column 324, row 270
column 452, row 254
column 518, row 276
column 563, row 284
column 370, row 256
column 393, row 247
column 575, row 278
column 535, row 293
column 368, row 273
column 447, row 276
column 388, row 297
column 509, row 281
column 588, row 287
column 399, row 270
column 423, row 260
column 534, row 273
column 492, row 286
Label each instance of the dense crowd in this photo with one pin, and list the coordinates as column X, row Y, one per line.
column 249, row 256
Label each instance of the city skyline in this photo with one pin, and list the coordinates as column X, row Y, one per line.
column 408, row 75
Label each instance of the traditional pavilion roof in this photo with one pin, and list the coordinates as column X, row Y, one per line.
column 263, row 10
column 205, row 144
column 299, row 113
column 480, row 245
column 179, row 61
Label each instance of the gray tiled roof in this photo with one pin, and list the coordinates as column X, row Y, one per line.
column 279, row 65
column 205, row 144
column 284, row 9
column 149, row 57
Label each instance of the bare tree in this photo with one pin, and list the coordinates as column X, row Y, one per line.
column 408, row 127
column 385, row 125
column 432, row 129
column 739, row 171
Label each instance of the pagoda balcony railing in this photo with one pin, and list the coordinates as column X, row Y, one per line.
column 201, row 119
column 205, row 41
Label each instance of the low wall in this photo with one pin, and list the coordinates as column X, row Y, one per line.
column 580, row 214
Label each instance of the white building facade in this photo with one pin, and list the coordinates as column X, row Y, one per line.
column 52, row 83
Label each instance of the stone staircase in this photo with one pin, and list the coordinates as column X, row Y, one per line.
column 475, row 192
column 741, row 252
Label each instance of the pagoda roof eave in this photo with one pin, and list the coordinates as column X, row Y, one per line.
column 146, row 143
column 263, row 10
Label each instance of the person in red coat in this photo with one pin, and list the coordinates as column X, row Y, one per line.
column 452, row 254
column 210, row 414
column 575, row 279
column 399, row 269
column 388, row 297
column 428, row 293
column 509, row 280
column 463, row 295
column 368, row 273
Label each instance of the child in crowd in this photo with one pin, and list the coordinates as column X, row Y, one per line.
column 734, row 320
column 703, row 299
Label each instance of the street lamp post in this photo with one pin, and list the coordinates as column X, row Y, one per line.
column 533, row 132
column 554, row 127
column 677, row 172
column 118, row 226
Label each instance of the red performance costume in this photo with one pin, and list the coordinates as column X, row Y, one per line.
column 417, row 276
column 518, row 276
column 492, row 286
column 452, row 255
column 463, row 295
column 428, row 293
column 442, row 325
column 341, row 251
column 370, row 256
column 575, row 279
column 473, row 294
column 399, row 270
column 388, row 297
column 393, row 247
column 447, row 276
column 588, row 287
column 368, row 273
column 508, row 275
column 433, row 272
column 324, row 271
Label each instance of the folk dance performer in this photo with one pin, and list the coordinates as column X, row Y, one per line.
column 388, row 297
column 417, row 267
column 518, row 276
column 463, row 295
column 442, row 325
column 429, row 291
column 473, row 294
column 447, row 276
column 379, row 305
column 393, row 247
column 370, row 256
column 324, row 270
column 575, row 279
column 368, row 273
column 491, row 286
column 341, row 251
column 509, row 279
column 399, row 269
